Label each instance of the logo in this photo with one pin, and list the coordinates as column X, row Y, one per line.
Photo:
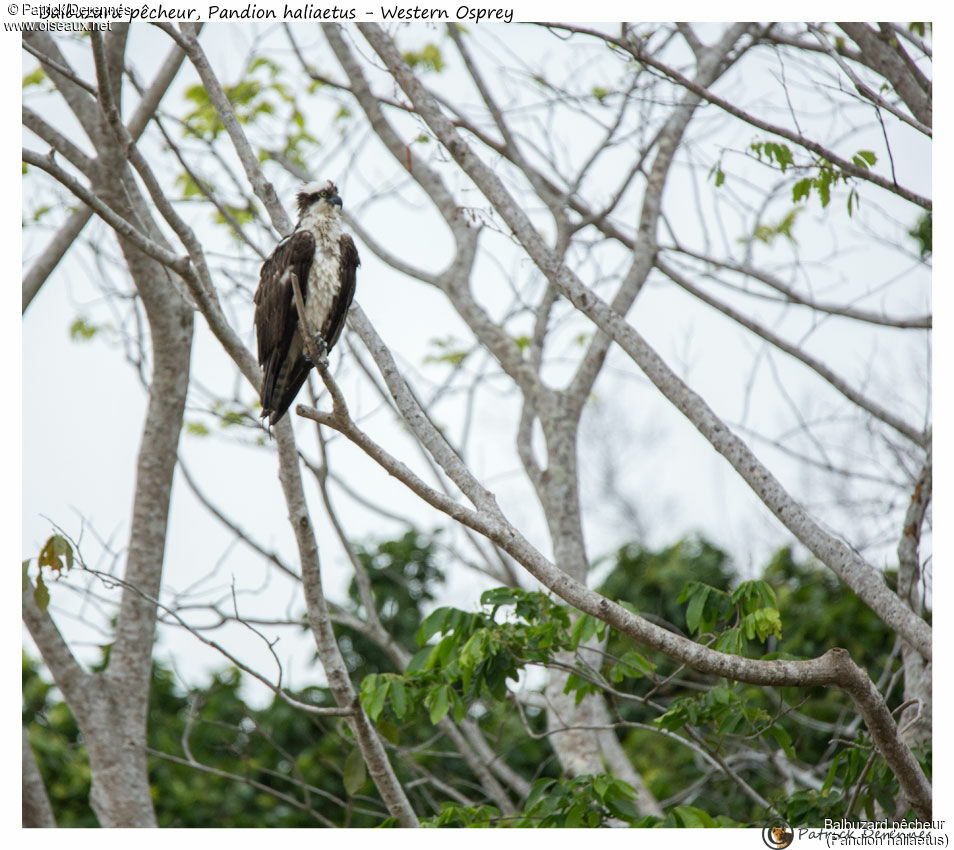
column 777, row 834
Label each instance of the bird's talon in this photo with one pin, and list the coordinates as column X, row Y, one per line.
column 322, row 348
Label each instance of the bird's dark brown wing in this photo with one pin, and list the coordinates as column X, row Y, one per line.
column 347, row 274
column 276, row 320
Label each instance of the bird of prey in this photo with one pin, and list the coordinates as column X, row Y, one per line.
column 324, row 259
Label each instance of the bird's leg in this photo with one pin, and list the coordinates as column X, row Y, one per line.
column 321, row 348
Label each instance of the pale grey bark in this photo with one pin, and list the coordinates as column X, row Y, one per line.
column 843, row 164
column 371, row 746
column 916, row 720
column 845, row 562
column 582, row 736
column 878, row 411
column 44, row 265
column 881, row 50
column 37, row 811
column 319, row 619
column 110, row 706
column 835, row 668
column 608, row 320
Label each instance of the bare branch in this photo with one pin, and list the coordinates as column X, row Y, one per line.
column 915, row 322
column 845, row 562
column 865, row 90
column 878, row 411
column 844, row 165
column 835, row 668
column 43, row 266
column 37, row 811
column 186, row 39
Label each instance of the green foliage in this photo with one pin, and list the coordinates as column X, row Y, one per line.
column 355, row 772
column 39, row 213
column 767, row 233
column 477, row 653
column 229, row 414
column 428, row 58
column 34, row 78
column 922, row 234
column 827, row 176
column 751, row 609
column 447, row 351
column 281, row 767
column 775, row 153
column 56, row 555
column 57, row 747
column 821, row 177
column 259, row 94
column 81, row 330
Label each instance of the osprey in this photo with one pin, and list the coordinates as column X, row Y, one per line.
column 324, row 259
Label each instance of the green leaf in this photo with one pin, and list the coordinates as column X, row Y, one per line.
column 398, row 698
column 719, row 177
column 696, row 607
column 389, row 729
column 197, row 429
column 922, row 233
column 354, row 772
column 730, row 641
column 498, row 596
column 802, row 189
column 636, row 665
column 691, row 817
column 81, row 330
column 833, row 771
column 438, row 701
column 540, row 788
column 418, row 662
column 34, row 78
column 574, row 815
column 374, row 691
column 433, row 624
column 458, row 707
column 57, row 554
column 41, row 596
column 583, row 629
column 428, row 58
column 784, row 740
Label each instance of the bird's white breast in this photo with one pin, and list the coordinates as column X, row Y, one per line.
column 323, row 278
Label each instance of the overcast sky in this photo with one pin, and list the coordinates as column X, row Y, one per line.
column 82, row 404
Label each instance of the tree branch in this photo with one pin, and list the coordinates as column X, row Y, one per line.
column 854, row 396
column 846, row 563
column 842, row 164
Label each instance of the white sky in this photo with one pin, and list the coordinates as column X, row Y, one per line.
column 82, row 405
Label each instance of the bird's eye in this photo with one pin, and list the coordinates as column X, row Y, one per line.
column 322, row 194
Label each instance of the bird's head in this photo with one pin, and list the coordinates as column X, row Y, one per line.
column 318, row 197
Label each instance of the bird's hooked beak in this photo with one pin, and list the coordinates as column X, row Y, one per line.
column 336, row 200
